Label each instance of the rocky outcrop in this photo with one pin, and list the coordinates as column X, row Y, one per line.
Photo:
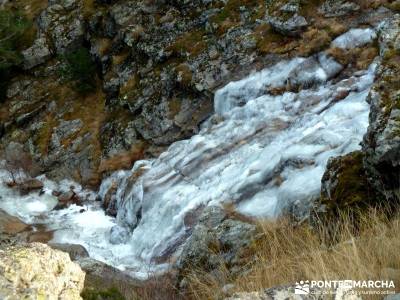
column 345, row 189
column 75, row 251
column 63, row 22
column 382, row 141
column 338, row 8
column 38, row 54
column 100, row 276
column 284, row 17
column 219, row 239
column 35, row 271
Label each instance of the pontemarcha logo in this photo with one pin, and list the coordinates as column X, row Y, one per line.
column 302, row 288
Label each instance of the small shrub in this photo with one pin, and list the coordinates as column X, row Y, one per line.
column 79, row 67
column 18, row 163
column 13, row 27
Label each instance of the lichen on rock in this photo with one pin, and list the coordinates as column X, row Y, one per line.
column 382, row 142
column 35, row 271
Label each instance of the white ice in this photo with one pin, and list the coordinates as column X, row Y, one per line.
column 355, row 38
column 264, row 154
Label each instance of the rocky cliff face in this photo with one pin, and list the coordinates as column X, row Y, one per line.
column 382, row 142
column 157, row 66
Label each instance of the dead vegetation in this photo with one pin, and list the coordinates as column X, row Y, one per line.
column 18, row 164
column 287, row 254
column 123, row 160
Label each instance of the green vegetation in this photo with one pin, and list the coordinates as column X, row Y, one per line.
column 109, row 294
column 13, row 27
column 79, row 68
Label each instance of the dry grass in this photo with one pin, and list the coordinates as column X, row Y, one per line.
column 158, row 288
column 313, row 40
column 191, row 44
column 286, row 254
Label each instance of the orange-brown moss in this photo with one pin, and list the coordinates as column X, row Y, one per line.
column 313, row 40
column 123, row 160
column 184, row 74
column 191, row 43
column 269, row 41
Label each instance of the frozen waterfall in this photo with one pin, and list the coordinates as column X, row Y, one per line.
column 265, row 150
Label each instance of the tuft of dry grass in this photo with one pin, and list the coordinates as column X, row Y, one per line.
column 123, row 160
column 286, row 254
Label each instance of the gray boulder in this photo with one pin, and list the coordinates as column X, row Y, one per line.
column 286, row 18
column 118, row 235
column 37, row 54
column 292, row 26
column 338, row 8
column 63, row 22
column 217, row 239
column 100, row 276
column 75, row 251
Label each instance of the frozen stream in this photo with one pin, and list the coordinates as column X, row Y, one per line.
column 263, row 150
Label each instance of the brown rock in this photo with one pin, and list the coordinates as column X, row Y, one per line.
column 40, row 237
column 109, row 201
column 11, row 225
column 68, row 198
column 30, row 185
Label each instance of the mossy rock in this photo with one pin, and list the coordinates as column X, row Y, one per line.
column 346, row 191
column 345, row 183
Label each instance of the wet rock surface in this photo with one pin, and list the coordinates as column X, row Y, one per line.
column 68, row 198
column 10, row 225
column 368, row 178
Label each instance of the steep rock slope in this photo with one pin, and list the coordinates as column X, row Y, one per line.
column 157, row 66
